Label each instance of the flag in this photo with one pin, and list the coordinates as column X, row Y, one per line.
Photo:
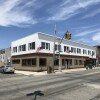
column 38, row 49
column 69, row 51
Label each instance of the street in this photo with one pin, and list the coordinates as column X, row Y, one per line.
column 78, row 85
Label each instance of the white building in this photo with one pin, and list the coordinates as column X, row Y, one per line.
column 5, row 56
column 26, row 54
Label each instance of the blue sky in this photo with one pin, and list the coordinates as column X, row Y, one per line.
column 19, row 18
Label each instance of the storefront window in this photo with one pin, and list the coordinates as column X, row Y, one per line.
column 29, row 62
column 42, row 61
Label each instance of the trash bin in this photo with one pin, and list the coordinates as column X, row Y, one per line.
column 90, row 66
column 49, row 69
column 86, row 67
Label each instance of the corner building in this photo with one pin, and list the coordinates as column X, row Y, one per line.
column 35, row 53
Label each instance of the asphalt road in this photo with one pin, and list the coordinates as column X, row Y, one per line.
column 80, row 85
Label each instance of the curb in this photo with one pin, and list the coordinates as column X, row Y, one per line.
column 45, row 72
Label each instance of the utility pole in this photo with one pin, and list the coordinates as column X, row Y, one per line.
column 54, row 37
column 59, row 69
column 59, row 58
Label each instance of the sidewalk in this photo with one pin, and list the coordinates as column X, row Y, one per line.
column 45, row 72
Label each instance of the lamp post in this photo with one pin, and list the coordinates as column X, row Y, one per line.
column 60, row 41
column 67, row 36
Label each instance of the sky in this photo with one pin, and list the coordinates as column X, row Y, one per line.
column 20, row 18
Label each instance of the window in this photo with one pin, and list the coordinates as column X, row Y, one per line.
column 31, row 46
column 42, row 61
column 19, row 48
column 56, row 62
column 29, row 62
column 76, row 62
column 45, row 45
column 66, row 49
column 80, row 62
column 84, row 51
column 48, row 46
column 89, row 52
column 22, row 47
column 70, row 61
column 57, row 47
column 78, row 50
column 73, row 50
column 17, row 61
column 63, row 62
column 14, row 49
column 93, row 53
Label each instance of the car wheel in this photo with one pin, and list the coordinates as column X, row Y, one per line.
column 13, row 72
column 86, row 67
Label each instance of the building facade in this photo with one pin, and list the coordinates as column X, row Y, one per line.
column 35, row 53
column 5, row 56
column 98, row 54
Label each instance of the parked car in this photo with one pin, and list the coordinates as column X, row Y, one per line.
column 7, row 69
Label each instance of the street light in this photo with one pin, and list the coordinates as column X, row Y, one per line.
column 67, row 36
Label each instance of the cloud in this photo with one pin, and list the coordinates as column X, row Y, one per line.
column 96, row 37
column 92, row 14
column 88, row 41
column 92, row 40
column 84, row 40
column 87, row 3
column 86, row 27
column 87, row 33
column 13, row 13
column 70, row 8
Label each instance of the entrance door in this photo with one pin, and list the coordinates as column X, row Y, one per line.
column 67, row 63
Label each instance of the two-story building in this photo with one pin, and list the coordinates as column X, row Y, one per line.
column 35, row 52
column 5, row 56
column 98, row 54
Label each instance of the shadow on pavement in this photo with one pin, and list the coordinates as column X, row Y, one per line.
column 36, row 93
column 96, row 97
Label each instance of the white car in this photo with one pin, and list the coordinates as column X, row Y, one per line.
column 7, row 69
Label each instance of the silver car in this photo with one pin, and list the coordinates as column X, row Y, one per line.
column 7, row 69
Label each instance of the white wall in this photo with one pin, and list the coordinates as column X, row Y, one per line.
column 41, row 37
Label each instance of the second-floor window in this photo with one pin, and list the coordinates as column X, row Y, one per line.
column 22, row 47
column 14, row 49
column 57, row 47
column 78, row 50
column 45, row 45
column 93, row 53
column 73, row 50
column 66, row 49
column 89, row 52
column 84, row 51
column 31, row 46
